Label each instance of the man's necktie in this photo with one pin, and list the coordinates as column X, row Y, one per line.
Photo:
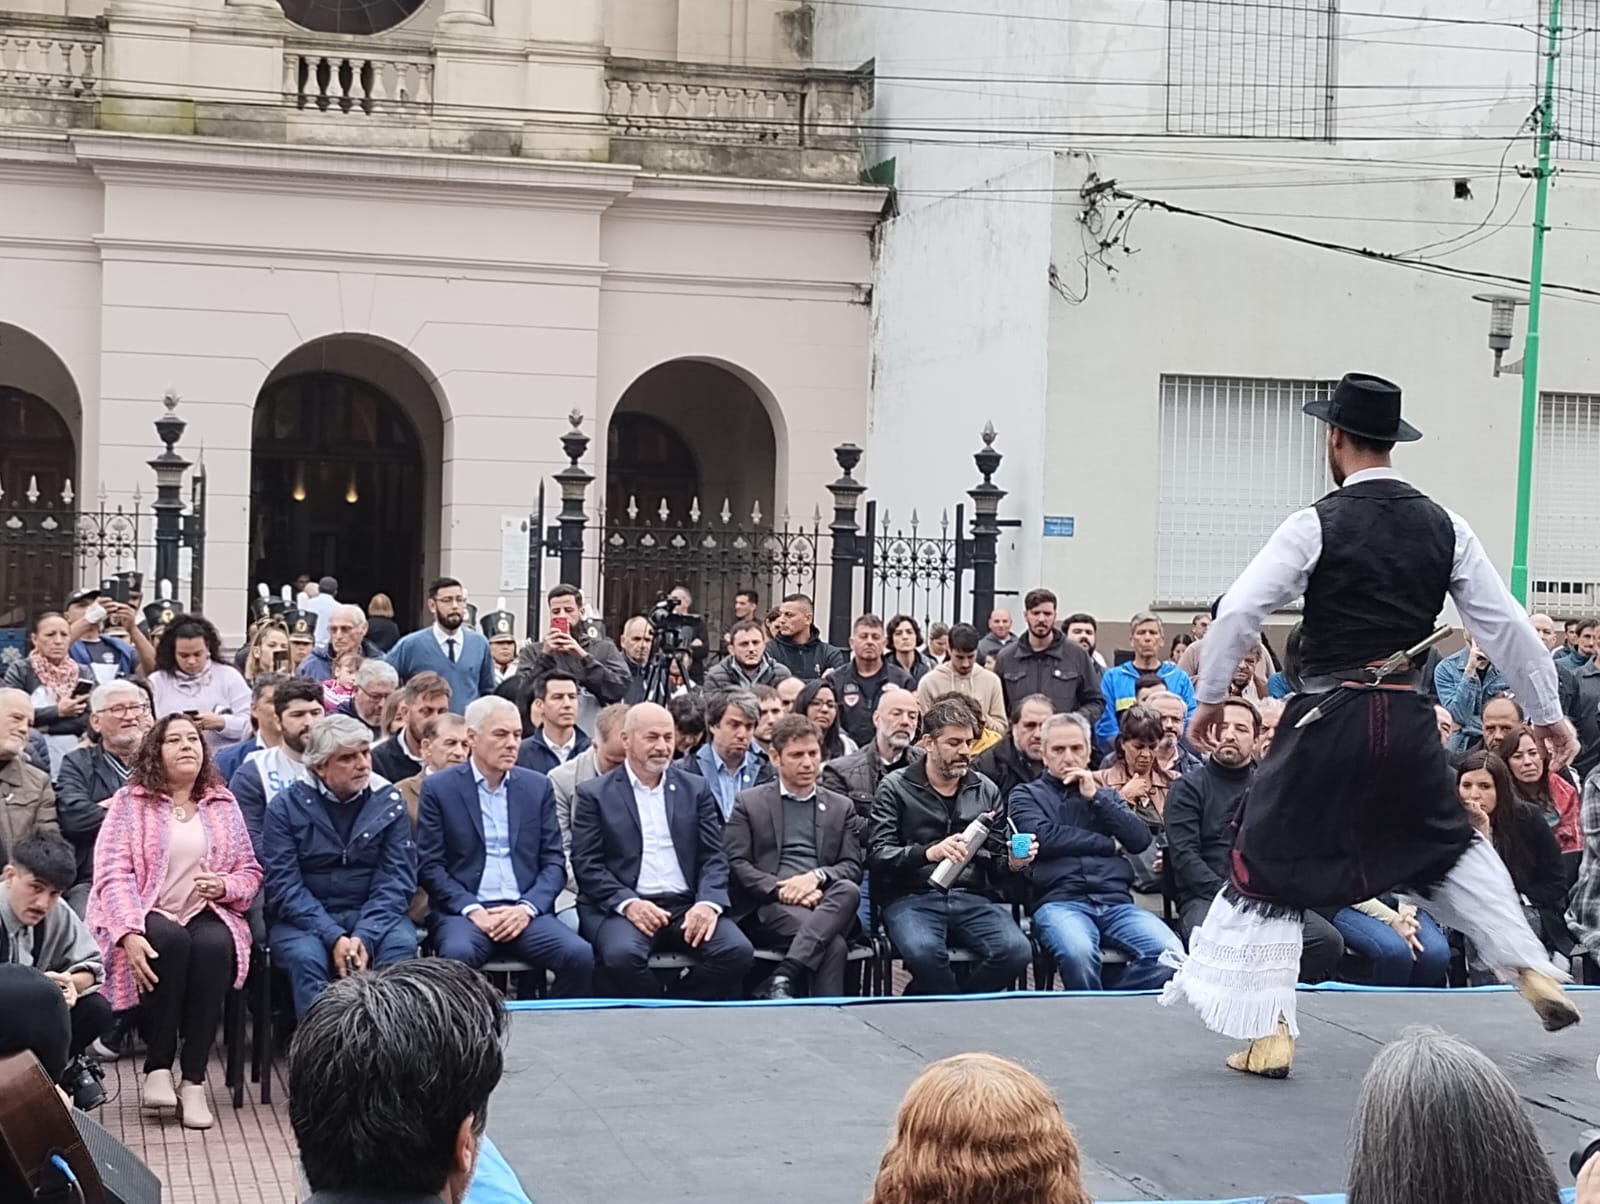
column 450, row 649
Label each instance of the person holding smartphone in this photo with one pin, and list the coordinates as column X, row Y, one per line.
column 57, row 684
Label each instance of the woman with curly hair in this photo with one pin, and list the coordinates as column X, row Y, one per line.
column 174, row 875
column 191, row 679
column 978, row 1128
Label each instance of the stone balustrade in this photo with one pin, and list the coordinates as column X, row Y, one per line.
column 49, row 58
column 763, row 107
column 341, row 79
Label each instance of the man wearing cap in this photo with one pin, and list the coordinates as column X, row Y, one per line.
column 500, row 629
column 1357, row 798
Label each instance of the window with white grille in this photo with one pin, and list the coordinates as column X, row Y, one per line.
column 1237, row 457
column 1253, row 69
column 1563, row 554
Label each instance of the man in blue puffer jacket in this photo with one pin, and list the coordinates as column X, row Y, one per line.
column 1080, row 887
column 341, row 865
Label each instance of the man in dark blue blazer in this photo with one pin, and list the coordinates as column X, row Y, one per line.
column 652, row 874
column 490, row 857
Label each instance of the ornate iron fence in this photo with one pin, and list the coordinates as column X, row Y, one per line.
column 49, row 546
column 643, row 553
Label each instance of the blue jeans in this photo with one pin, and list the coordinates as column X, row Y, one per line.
column 1393, row 964
column 309, row 963
column 1073, row 931
column 927, row 925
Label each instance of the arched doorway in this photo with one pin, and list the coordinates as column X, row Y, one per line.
column 38, row 463
column 335, row 489
column 691, row 470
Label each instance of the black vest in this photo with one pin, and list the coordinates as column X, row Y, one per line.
column 1382, row 578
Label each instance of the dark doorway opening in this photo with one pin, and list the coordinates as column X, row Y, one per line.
column 336, row 489
column 37, row 460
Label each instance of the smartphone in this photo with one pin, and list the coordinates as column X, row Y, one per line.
column 82, row 688
column 115, row 588
column 561, row 624
column 280, row 660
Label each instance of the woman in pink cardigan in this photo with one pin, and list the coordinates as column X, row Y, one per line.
column 174, row 874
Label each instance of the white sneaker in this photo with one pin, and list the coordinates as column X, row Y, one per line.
column 160, row 1093
column 193, row 1106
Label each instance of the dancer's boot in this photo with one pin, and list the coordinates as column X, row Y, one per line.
column 1269, row 1057
column 1548, row 999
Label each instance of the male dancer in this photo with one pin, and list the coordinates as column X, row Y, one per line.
column 1360, row 800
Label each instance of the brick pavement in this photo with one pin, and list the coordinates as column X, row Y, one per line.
column 247, row 1157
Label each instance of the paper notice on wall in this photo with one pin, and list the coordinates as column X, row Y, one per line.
column 513, row 553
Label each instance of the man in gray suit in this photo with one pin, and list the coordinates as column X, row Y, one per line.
column 794, row 859
column 601, row 757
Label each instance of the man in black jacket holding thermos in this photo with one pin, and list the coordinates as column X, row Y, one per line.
column 920, row 818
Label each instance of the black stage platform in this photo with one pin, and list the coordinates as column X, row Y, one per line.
column 755, row 1104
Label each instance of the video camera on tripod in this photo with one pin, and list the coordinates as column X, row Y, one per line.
column 671, row 632
column 670, row 637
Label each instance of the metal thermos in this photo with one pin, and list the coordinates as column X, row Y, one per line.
column 948, row 870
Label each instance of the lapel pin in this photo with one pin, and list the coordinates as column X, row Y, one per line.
column 822, row 806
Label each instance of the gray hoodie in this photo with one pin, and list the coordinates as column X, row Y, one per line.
column 58, row 944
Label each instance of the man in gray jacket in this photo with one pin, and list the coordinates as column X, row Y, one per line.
column 601, row 757
column 747, row 663
column 37, row 929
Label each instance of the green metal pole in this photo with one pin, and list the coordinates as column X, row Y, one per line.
column 1530, row 356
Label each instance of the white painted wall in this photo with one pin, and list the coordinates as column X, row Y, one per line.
column 148, row 262
column 960, row 339
column 968, row 92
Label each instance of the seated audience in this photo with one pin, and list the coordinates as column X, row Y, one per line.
column 726, row 761
column 1134, row 768
column 1173, row 754
column 489, row 855
column 939, row 642
column 414, row 1131
column 1501, row 715
column 905, row 648
column 1080, row 884
column 1551, row 794
column 818, row 703
column 1118, row 683
column 747, row 663
column 263, row 724
column 1199, row 820
column 174, row 875
column 557, row 738
column 788, row 690
column 979, row 1128
column 794, row 859
column 918, row 817
column 341, row 687
column 1271, row 711
column 772, row 710
column 38, row 929
column 426, row 696
column 1404, row 947
column 962, row 674
column 119, row 716
column 374, row 684
column 1463, row 681
column 444, row 743
column 341, row 865
column 57, row 685
column 1018, row 758
column 27, row 800
column 599, row 759
column 857, row 683
column 192, row 679
column 652, row 872
column 1524, row 841
column 856, row 775
column 1438, row 1120
column 689, row 720
column 297, row 708
column 1447, row 725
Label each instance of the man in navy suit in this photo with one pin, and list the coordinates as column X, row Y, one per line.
column 490, row 857
column 652, row 874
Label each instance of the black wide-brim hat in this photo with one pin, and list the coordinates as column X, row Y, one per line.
column 1366, row 406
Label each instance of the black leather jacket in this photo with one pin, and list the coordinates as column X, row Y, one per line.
column 909, row 816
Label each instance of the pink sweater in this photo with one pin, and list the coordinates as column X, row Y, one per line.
column 130, row 861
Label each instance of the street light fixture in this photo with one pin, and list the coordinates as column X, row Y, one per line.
column 1502, row 322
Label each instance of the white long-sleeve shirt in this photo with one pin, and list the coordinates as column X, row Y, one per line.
column 1281, row 570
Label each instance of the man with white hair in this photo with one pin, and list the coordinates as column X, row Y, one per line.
column 490, row 857
column 347, row 632
column 340, row 864
column 27, row 801
column 119, row 716
column 1080, row 888
column 652, row 872
column 376, row 682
